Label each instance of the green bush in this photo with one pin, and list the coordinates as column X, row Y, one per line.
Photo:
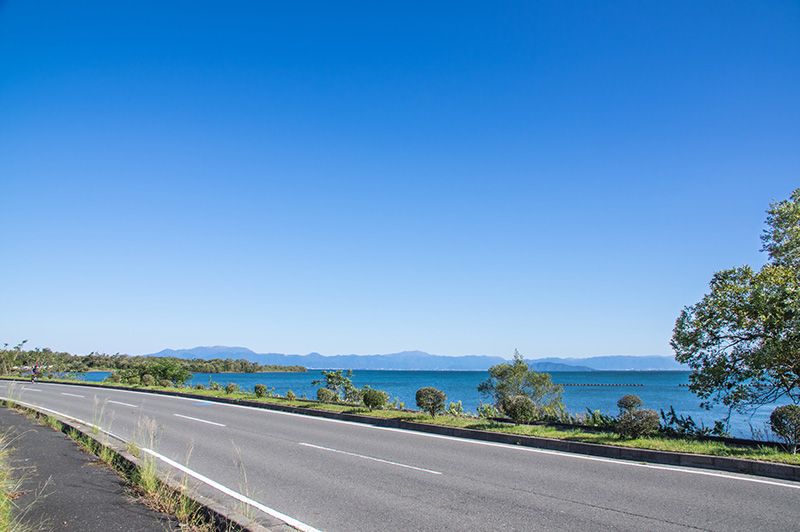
column 199, row 387
column 325, row 395
column 520, row 408
column 637, row 423
column 231, row 388
column 455, row 409
column 166, row 383
column 374, row 399
column 291, row 396
column 261, row 390
column 629, row 402
column 215, row 386
column 431, row 400
column 486, row 411
column 148, row 380
column 785, row 422
column 513, row 378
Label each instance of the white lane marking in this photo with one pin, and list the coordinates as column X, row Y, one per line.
column 31, row 389
column 381, row 460
column 123, row 404
column 200, row 420
column 216, row 485
column 238, row 496
column 468, row 441
column 73, row 395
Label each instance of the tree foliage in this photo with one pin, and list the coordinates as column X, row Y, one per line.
column 742, row 339
column 785, row 422
column 431, row 400
column 515, row 378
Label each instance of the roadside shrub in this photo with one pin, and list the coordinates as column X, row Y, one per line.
column 215, row 386
column 291, row 396
column 596, row 418
column 431, row 400
column 455, row 409
column 374, row 399
column 628, row 403
column 325, row 395
column 637, row 423
column 785, row 422
column 683, row 425
column 231, row 388
column 148, row 380
column 166, row 383
column 487, row 411
column 261, row 390
column 520, row 408
column 199, row 387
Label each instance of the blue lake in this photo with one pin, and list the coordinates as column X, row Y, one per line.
column 658, row 390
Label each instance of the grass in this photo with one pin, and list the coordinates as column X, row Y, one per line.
column 684, row 445
column 8, row 485
column 143, row 479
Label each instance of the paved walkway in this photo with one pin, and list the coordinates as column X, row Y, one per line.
column 68, row 489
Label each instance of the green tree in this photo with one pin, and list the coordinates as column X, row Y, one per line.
column 742, row 339
column 431, row 400
column 785, row 422
column 340, row 383
column 515, row 378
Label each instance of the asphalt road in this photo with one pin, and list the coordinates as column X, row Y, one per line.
column 65, row 489
column 334, row 475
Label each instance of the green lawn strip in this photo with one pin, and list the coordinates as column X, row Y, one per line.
column 682, row 445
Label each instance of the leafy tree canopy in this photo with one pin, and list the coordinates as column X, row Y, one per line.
column 515, row 378
column 742, row 339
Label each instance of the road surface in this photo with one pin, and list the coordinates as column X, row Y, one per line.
column 334, row 475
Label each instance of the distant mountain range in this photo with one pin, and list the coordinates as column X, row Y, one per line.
column 419, row 360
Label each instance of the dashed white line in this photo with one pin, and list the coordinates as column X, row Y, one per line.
column 31, row 389
column 123, row 404
column 216, row 485
column 73, row 395
column 200, row 420
column 381, row 460
column 466, row 441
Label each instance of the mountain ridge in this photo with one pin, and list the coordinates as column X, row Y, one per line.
column 421, row 360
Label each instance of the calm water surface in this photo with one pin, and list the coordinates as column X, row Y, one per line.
column 658, row 390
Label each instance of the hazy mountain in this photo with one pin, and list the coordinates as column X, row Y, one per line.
column 406, row 360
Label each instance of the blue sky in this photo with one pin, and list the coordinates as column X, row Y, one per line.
column 461, row 178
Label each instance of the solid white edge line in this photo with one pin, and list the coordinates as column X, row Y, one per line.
column 369, row 458
column 200, row 420
column 468, row 441
column 73, row 395
column 216, row 485
column 121, row 403
column 238, row 496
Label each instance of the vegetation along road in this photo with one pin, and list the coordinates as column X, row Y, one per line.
column 332, row 475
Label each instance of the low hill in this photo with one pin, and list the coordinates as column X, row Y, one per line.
column 406, row 360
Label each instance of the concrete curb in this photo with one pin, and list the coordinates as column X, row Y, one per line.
column 718, row 463
column 224, row 519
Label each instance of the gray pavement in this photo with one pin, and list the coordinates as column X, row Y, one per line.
column 66, row 489
column 334, row 475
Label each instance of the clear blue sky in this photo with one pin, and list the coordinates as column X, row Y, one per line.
column 465, row 177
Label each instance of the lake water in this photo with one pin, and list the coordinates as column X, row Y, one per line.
column 658, row 390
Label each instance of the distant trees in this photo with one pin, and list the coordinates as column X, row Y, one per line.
column 431, row 400
column 742, row 339
column 510, row 380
